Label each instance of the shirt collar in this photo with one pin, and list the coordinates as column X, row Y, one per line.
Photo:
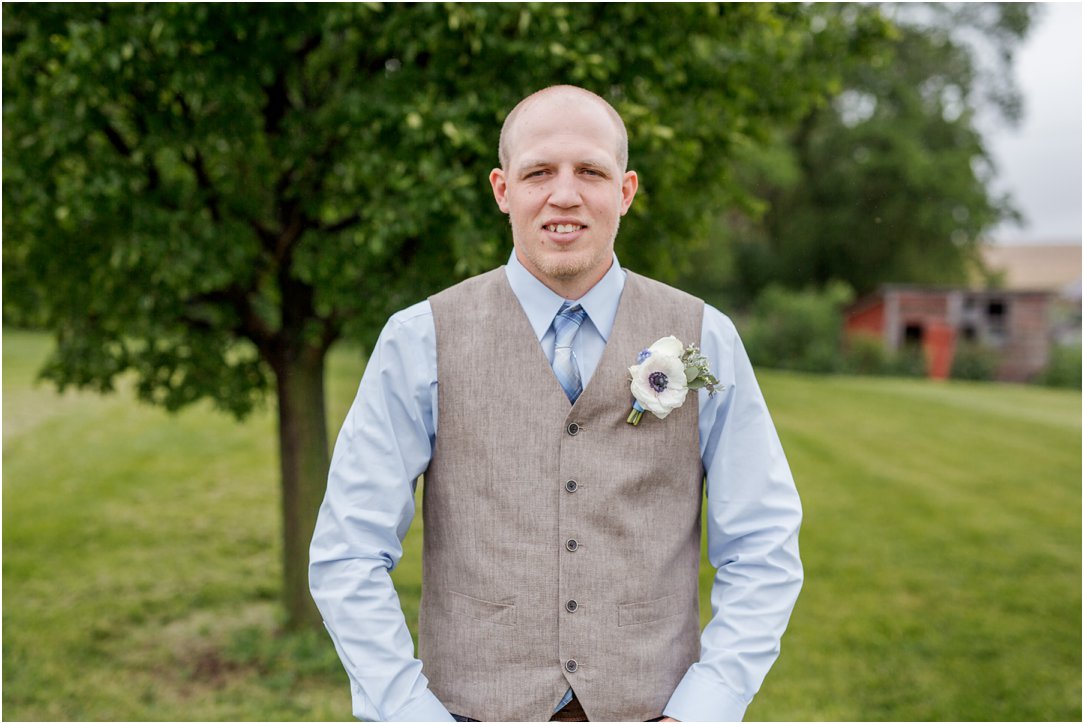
column 542, row 304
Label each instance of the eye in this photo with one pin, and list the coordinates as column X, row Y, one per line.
column 533, row 174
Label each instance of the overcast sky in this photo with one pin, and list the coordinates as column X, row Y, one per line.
column 1039, row 162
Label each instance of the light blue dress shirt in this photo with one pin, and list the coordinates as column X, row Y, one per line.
column 387, row 439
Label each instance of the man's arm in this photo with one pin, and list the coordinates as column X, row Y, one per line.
column 753, row 516
column 384, row 445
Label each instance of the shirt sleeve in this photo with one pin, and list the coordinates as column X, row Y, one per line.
column 385, row 443
column 753, row 516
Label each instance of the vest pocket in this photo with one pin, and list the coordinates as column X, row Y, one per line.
column 461, row 604
column 630, row 614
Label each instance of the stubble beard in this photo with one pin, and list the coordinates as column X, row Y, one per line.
column 568, row 267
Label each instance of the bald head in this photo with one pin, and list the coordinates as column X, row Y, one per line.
column 558, row 96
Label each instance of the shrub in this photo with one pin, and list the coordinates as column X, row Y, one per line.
column 973, row 362
column 1063, row 370
column 798, row 330
column 865, row 354
column 909, row 361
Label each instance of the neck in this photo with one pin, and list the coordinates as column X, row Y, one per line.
column 571, row 288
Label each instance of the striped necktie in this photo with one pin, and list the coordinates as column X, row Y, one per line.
column 565, row 326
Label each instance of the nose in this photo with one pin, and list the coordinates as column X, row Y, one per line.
column 565, row 191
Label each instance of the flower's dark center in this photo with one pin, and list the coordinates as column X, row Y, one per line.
column 658, row 381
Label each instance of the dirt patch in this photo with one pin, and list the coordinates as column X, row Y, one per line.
column 208, row 667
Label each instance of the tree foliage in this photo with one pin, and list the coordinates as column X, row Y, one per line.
column 179, row 177
column 209, row 195
column 891, row 182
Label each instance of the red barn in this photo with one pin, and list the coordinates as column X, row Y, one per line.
column 1013, row 323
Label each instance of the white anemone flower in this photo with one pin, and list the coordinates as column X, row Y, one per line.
column 658, row 382
column 670, row 346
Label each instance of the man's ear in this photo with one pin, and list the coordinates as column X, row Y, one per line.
column 629, row 183
column 500, row 188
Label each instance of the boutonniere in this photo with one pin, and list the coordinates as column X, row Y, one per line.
column 662, row 376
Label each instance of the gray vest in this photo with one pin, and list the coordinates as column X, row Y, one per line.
column 562, row 544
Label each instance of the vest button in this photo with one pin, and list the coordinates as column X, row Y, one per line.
column 571, row 486
column 572, row 428
column 571, row 544
column 571, row 606
column 571, row 666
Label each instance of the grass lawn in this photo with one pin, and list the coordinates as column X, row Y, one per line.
column 942, row 545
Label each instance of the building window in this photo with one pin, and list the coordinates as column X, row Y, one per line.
column 997, row 320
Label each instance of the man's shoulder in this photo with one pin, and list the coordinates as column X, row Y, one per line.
column 419, row 316
column 470, row 287
column 713, row 319
column 474, row 298
column 414, row 321
column 407, row 335
column 655, row 287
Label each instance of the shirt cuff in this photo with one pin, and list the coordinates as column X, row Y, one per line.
column 698, row 699
column 426, row 707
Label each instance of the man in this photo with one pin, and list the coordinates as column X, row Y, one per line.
column 561, row 543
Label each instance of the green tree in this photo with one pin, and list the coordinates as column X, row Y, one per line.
column 209, row 196
column 890, row 182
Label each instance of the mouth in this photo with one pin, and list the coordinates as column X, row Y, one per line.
column 564, row 228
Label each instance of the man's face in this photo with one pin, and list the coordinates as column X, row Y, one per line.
column 564, row 191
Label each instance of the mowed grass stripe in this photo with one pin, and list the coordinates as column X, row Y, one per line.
column 942, row 551
column 941, row 543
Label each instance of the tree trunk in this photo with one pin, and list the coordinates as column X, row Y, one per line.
column 303, row 455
